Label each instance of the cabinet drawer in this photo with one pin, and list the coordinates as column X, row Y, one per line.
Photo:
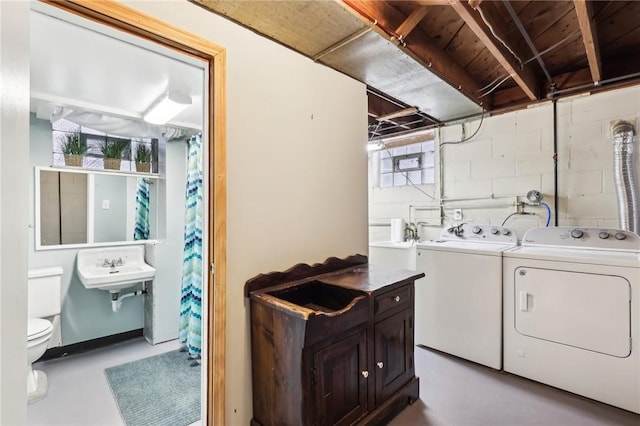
column 393, row 299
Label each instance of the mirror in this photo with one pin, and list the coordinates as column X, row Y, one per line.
column 85, row 208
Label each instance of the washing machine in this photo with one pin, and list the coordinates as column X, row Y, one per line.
column 571, row 312
column 458, row 304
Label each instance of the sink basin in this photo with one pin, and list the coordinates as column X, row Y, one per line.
column 113, row 268
column 318, row 296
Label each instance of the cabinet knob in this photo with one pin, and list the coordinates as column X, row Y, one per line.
column 397, row 298
column 380, row 364
column 365, row 374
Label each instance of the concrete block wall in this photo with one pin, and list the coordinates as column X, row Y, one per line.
column 511, row 154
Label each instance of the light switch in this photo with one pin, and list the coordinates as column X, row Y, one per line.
column 106, row 204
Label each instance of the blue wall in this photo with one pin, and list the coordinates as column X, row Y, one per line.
column 86, row 314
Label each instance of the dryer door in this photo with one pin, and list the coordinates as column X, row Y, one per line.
column 586, row 311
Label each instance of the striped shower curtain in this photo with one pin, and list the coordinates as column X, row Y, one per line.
column 141, row 231
column 191, row 296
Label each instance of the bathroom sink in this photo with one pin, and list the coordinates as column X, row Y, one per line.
column 113, row 268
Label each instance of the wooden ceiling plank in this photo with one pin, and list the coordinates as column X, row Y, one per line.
column 616, row 24
column 412, row 21
column 420, row 47
column 543, row 17
column 589, row 37
column 525, row 78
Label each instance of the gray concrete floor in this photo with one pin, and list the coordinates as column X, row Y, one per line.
column 79, row 394
column 456, row 392
column 453, row 392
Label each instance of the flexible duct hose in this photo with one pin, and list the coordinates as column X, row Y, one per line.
column 623, row 173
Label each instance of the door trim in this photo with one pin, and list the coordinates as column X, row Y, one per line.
column 131, row 21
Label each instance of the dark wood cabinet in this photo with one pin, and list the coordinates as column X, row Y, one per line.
column 332, row 344
column 339, row 382
column 393, row 354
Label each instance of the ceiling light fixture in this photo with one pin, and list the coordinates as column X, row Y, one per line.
column 375, row 146
column 166, row 107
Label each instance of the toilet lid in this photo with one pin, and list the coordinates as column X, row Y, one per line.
column 37, row 327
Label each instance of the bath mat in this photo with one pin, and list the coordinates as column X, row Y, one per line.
column 160, row 390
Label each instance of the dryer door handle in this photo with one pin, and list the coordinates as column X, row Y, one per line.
column 523, row 301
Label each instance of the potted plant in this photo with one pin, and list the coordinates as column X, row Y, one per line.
column 143, row 158
column 73, row 149
column 113, row 150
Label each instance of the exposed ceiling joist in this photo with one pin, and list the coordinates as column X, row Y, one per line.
column 420, row 46
column 431, row 2
column 412, row 21
column 400, row 113
column 523, row 76
column 590, row 38
column 453, row 58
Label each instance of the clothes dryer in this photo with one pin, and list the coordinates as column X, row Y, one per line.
column 571, row 312
column 458, row 304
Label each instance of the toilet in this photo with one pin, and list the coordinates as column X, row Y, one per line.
column 44, row 300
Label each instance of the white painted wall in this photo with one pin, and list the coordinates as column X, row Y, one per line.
column 297, row 180
column 512, row 154
column 14, row 178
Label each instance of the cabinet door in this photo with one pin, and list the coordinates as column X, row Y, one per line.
column 393, row 354
column 340, row 381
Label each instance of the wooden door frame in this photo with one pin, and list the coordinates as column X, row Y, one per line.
column 129, row 20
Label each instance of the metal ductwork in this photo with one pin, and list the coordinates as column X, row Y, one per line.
column 625, row 181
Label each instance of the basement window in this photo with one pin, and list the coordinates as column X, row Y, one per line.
column 92, row 140
column 408, row 165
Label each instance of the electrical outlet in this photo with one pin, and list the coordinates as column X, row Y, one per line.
column 457, row 214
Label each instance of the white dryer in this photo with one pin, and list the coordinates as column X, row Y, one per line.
column 571, row 312
column 458, row 304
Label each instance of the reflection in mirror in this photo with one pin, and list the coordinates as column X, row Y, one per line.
column 63, row 208
column 80, row 207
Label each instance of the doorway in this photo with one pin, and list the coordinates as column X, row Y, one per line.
column 149, row 29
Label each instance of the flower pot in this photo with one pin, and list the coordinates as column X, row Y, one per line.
column 73, row 160
column 112, row 163
column 143, row 167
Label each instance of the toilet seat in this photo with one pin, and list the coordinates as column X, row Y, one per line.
column 38, row 327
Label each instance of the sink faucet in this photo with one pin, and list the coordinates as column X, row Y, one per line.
column 112, row 262
column 411, row 232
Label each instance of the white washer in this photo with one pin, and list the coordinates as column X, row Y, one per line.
column 571, row 306
column 458, row 303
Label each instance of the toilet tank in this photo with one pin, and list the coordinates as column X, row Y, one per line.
column 44, row 288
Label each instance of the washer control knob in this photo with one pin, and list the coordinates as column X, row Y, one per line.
column 576, row 233
column 495, row 231
column 603, row 235
column 476, row 229
column 505, row 231
column 620, row 235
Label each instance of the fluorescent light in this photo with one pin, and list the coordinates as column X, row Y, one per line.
column 375, row 146
column 166, row 107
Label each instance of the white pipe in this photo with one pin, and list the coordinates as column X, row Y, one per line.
column 116, row 299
